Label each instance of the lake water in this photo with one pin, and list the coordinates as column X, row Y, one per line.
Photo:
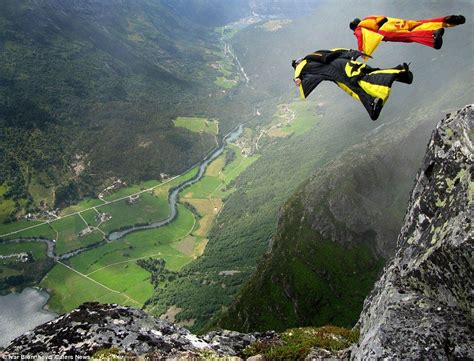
column 21, row 312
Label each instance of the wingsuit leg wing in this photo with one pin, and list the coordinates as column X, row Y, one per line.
column 428, row 32
column 372, row 86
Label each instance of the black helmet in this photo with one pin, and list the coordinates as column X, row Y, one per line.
column 294, row 63
column 353, row 24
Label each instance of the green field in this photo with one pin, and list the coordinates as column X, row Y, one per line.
column 296, row 118
column 69, row 289
column 114, row 266
column 37, row 249
column 149, row 208
column 304, row 117
column 135, row 245
column 82, row 205
column 90, row 217
column 226, row 83
column 125, row 192
column 42, row 230
column 197, row 125
column 15, row 226
column 127, row 278
column 203, row 188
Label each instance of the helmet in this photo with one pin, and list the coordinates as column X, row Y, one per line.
column 353, row 24
column 294, row 63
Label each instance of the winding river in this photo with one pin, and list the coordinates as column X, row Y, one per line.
column 173, row 196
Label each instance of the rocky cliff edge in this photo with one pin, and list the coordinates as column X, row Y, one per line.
column 118, row 331
column 422, row 307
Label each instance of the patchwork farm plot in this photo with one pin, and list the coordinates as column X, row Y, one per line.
column 113, row 266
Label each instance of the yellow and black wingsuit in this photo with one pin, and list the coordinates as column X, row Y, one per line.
column 371, row 86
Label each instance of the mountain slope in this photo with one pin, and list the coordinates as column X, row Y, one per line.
column 333, row 236
column 75, row 75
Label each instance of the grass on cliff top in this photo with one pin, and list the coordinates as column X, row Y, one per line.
column 296, row 343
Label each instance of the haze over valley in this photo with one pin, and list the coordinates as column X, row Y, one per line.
column 155, row 154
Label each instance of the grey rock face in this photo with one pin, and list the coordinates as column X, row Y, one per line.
column 93, row 327
column 422, row 307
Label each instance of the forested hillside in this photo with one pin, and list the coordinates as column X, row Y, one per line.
column 88, row 91
column 333, row 236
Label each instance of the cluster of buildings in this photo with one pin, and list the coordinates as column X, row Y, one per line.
column 22, row 256
column 48, row 214
column 103, row 217
column 117, row 183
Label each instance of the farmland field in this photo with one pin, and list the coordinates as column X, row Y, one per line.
column 125, row 192
column 114, row 266
column 197, row 125
column 69, row 289
column 82, row 205
column 147, row 209
column 41, row 230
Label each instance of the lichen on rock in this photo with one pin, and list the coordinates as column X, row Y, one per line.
column 101, row 330
column 422, row 306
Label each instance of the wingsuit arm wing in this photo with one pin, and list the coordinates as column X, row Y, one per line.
column 367, row 40
column 373, row 22
column 309, row 83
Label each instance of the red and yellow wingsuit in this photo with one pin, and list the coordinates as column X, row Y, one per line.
column 373, row 29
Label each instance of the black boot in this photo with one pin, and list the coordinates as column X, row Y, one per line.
column 404, row 76
column 438, row 38
column 455, row 19
column 377, row 106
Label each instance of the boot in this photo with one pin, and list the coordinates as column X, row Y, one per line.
column 438, row 38
column 455, row 20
